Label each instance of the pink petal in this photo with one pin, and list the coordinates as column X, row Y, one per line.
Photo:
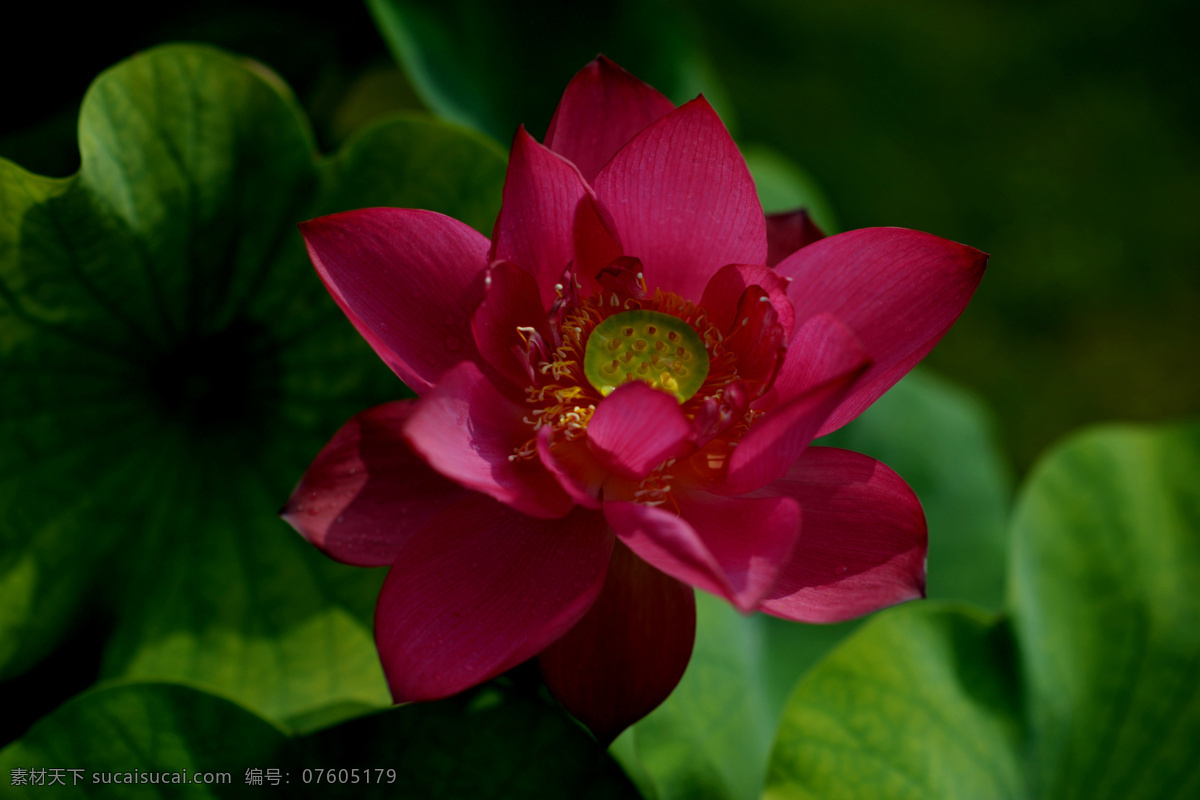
column 510, row 302
column 707, row 544
column 718, row 414
column 862, row 539
column 724, row 289
column 602, row 108
column 367, row 492
column 788, row 232
column 683, row 201
column 624, row 278
column 898, row 290
column 466, row 429
column 807, row 390
column 408, row 280
column 636, row 428
column 628, row 652
column 480, row 589
column 574, row 466
column 757, row 338
column 820, row 349
column 596, row 243
column 535, row 229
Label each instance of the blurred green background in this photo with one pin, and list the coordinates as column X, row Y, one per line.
column 1061, row 137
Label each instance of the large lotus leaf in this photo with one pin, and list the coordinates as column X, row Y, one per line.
column 921, row 702
column 171, row 364
column 1105, row 593
column 112, row 737
column 487, row 745
column 1105, row 565
column 495, row 66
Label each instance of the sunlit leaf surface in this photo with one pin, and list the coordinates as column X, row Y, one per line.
column 1105, row 638
column 172, row 363
column 1105, row 597
column 919, row 703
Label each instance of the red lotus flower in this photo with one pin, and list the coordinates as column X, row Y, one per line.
column 616, row 398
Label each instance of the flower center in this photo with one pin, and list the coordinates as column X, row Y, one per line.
column 624, row 333
column 649, row 346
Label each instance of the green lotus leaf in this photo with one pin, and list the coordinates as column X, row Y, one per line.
column 1105, row 635
column 171, row 365
column 921, row 702
column 494, row 67
column 488, row 744
column 1104, row 590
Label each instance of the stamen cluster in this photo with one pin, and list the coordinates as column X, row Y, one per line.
column 564, row 398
